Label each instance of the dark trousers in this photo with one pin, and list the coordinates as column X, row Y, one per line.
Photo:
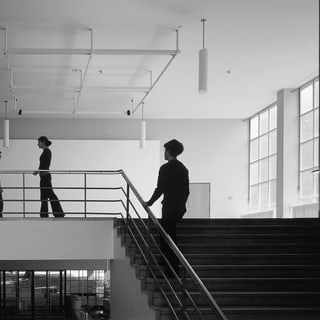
column 1, row 204
column 169, row 222
column 46, row 193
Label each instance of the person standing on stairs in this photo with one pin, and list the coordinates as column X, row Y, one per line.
column 173, row 184
column 46, row 191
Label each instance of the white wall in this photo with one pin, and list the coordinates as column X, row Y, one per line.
column 56, row 239
column 216, row 151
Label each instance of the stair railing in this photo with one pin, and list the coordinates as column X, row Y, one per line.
column 152, row 263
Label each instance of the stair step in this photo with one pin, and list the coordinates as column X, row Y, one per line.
column 248, row 314
column 238, row 248
column 241, row 284
column 245, row 299
column 235, row 259
column 237, row 238
column 243, row 229
column 266, row 271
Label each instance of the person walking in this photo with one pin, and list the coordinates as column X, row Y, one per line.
column 173, row 184
column 46, row 191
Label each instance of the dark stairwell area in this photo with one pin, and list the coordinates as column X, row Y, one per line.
column 255, row 269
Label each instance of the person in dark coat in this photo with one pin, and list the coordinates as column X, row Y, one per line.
column 173, row 184
column 46, row 191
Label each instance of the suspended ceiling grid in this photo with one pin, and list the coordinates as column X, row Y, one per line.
column 256, row 47
column 82, row 80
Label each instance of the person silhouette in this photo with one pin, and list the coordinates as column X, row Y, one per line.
column 173, row 184
column 46, row 191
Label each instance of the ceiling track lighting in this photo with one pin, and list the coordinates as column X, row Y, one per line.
column 203, row 63
column 6, row 129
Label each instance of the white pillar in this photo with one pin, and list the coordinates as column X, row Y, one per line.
column 287, row 151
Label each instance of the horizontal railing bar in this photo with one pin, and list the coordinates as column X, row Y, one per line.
column 62, row 171
column 63, row 200
column 61, row 188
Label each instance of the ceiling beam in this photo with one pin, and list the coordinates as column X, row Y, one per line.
column 42, row 51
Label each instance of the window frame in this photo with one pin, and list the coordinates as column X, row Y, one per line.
column 270, row 204
column 315, row 193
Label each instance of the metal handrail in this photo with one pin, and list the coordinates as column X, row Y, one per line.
column 151, row 218
column 76, row 200
column 212, row 303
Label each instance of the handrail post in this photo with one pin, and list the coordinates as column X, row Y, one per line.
column 149, row 243
column 85, row 194
column 24, row 195
column 128, row 202
column 184, row 287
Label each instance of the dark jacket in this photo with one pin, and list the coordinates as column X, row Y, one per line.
column 173, row 183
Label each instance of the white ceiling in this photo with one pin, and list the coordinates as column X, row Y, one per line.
column 256, row 47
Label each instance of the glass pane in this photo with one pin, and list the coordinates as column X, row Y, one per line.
column 263, row 170
column 316, row 94
column 273, row 142
column 254, row 126
column 254, row 197
column 273, row 191
column 306, row 156
column 306, row 184
column 273, row 118
column 306, row 99
column 316, row 182
column 316, row 123
column 254, row 173
column 264, row 194
column 316, row 153
column 272, row 167
column 263, row 149
column 264, row 122
column 306, row 127
column 254, row 150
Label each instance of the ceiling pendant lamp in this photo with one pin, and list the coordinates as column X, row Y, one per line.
column 203, row 64
column 6, row 129
column 142, row 130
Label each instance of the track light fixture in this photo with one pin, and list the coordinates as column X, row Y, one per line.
column 203, row 64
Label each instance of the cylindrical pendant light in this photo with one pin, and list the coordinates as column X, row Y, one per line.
column 6, row 129
column 203, row 65
column 142, row 130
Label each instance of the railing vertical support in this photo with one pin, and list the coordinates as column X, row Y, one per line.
column 85, row 195
column 128, row 198
column 24, row 194
column 149, row 244
column 184, row 286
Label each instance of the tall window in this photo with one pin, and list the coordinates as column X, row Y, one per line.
column 263, row 159
column 309, row 140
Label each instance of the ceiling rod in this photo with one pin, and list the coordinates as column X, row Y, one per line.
column 5, row 53
column 160, row 75
column 42, row 51
column 86, row 89
column 83, row 78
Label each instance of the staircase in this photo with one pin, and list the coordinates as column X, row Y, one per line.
column 256, row 269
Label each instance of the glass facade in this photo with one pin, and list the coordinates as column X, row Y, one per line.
column 309, row 141
column 41, row 293
column 263, row 159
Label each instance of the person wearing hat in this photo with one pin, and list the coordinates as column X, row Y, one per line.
column 46, row 191
column 173, row 184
